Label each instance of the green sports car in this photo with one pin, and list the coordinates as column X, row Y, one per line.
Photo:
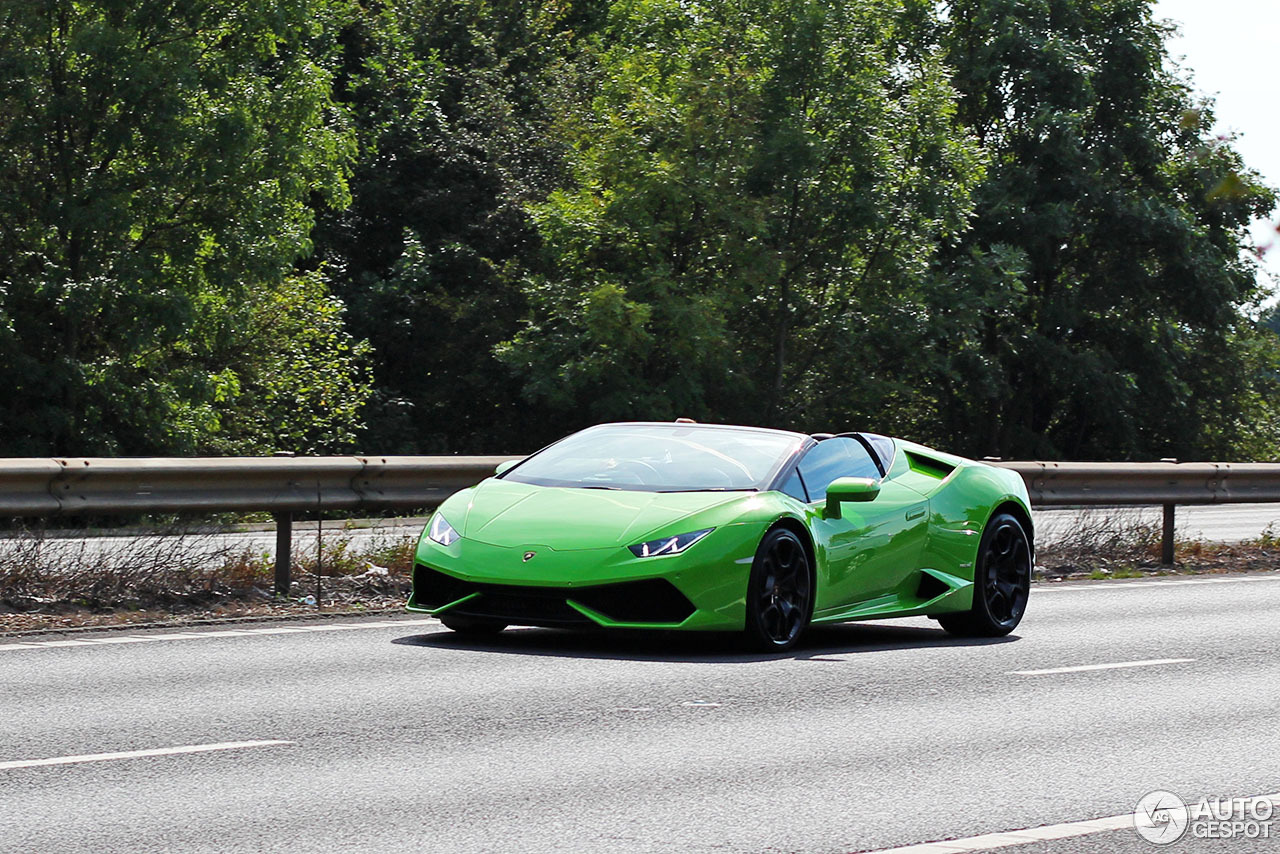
column 713, row 527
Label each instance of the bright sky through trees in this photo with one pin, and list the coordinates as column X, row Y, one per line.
column 1231, row 46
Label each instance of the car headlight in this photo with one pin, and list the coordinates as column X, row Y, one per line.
column 441, row 531
column 669, row 545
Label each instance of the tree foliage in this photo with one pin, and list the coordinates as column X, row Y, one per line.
column 756, row 191
column 999, row 225
column 302, row 381
column 452, row 102
column 157, row 165
column 1099, row 305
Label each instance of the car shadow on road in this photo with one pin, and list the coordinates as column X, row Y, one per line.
column 820, row 644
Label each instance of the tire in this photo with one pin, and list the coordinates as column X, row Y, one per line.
column 1001, row 582
column 779, row 592
column 472, row 626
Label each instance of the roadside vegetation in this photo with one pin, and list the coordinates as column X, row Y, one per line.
column 181, row 575
column 63, row 579
column 1126, row 544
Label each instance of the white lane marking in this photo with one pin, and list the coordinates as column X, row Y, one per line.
column 992, row 841
column 125, row 639
column 235, row 633
column 1151, row 662
column 138, row 754
column 1058, row 587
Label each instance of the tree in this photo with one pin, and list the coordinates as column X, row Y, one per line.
column 756, row 191
column 301, row 381
column 156, row 164
column 1098, row 307
column 451, row 99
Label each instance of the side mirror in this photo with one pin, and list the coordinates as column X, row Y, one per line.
column 850, row 489
column 505, row 466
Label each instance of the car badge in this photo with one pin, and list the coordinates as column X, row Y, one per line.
column 528, row 556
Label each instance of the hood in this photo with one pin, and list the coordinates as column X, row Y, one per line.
column 512, row 515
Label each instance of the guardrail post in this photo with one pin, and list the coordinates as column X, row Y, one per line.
column 284, row 551
column 1166, row 547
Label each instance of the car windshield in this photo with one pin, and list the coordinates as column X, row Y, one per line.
column 660, row 458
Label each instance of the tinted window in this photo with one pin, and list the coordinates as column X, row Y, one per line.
column 793, row 487
column 883, row 447
column 835, row 458
column 660, row 458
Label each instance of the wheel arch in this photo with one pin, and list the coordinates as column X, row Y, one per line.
column 798, row 528
column 1017, row 511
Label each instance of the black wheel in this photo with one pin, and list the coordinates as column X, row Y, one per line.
column 471, row 625
column 780, row 592
column 1001, row 582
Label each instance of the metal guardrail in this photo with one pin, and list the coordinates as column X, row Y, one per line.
column 282, row 486
column 118, row 486
column 1057, row 484
column 285, row 486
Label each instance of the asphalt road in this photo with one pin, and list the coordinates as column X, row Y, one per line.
column 400, row 736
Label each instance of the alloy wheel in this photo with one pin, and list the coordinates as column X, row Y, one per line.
column 1006, row 564
column 782, row 600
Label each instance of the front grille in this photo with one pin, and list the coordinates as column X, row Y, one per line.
column 652, row 600
column 522, row 608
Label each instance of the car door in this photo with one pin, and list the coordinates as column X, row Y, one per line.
column 874, row 545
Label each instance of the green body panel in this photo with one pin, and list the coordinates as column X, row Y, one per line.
column 908, row 551
column 960, row 504
column 579, row 537
column 507, row 513
column 866, row 552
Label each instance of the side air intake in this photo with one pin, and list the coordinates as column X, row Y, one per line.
column 931, row 587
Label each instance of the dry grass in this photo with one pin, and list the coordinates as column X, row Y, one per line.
column 1094, row 543
column 179, row 575
column 72, row 580
column 1127, row 544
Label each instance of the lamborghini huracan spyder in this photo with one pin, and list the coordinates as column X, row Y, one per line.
column 713, row 527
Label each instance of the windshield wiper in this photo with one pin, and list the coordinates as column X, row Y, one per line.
column 714, row 489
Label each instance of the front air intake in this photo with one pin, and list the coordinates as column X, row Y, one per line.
column 654, row 600
column 650, row 601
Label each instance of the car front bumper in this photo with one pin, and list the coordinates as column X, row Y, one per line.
column 702, row 588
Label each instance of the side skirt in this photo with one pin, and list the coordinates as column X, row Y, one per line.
column 928, row 592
